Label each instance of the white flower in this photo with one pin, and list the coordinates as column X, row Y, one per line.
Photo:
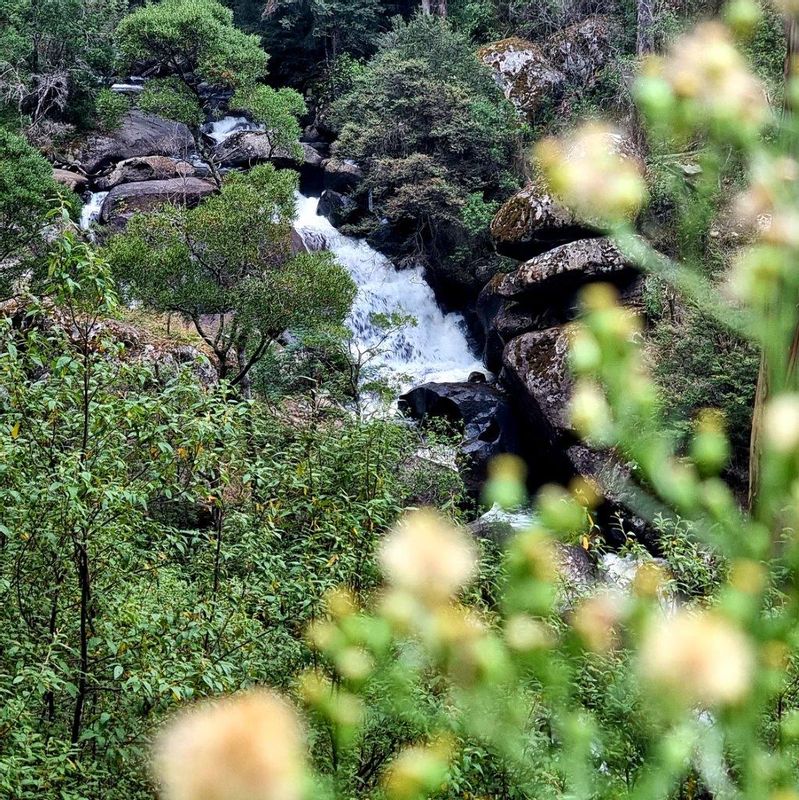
column 243, row 747
column 428, row 556
column 701, row 657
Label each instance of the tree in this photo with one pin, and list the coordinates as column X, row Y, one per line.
column 27, row 194
column 52, row 56
column 228, row 267
column 195, row 43
column 430, row 128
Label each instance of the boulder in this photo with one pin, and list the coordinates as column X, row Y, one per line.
column 247, row 148
column 146, row 168
column 533, row 221
column 481, row 409
column 139, row 134
column 535, row 363
column 125, row 200
column 337, row 207
column 341, row 175
column 72, row 180
column 544, row 291
column 565, row 268
column 582, row 49
column 524, row 73
column 311, row 157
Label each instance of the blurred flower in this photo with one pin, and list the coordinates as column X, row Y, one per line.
column 418, row 771
column 244, row 747
column 597, row 619
column 593, row 176
column 705, row 67
column 701, row 657
column 506, row 482
column 589, row 412
column 523, row 633
column 781, row 423
column 428, row 556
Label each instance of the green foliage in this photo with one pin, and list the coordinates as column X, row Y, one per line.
column 170, row 98
column 53, row 54
column 228, row 267
column 277, row 110
column 192, row 37
column 110, row 107
column 431, row 128
column 27, row 194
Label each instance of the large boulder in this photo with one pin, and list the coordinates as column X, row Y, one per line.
column 582, row 49
column 483, row 412
column 337, row 207
column 145, row 168
column 125, row 200
column 566, row 268
column 533, row 221
column 247, row 148
column 72, row 180
column 524, row 73
column 139, row 134
column 544, row 291
column 341, row 175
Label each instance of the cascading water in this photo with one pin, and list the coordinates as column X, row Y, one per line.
column 225, row 127
column 90, row 212
column 435, row 348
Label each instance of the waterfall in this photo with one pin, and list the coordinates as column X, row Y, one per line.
column 90, row 212
column 434, row 349
column 225, row 127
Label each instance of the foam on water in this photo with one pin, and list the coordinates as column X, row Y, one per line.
column 225, row 127
column 435, row 349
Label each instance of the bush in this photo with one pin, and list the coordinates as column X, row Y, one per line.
column 110, row 107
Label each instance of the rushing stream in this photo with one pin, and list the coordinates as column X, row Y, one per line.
column 432, row 348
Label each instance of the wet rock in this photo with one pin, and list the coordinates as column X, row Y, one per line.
column 72, row 180
column 147, row 168
column 139, row 134
column 337, row 207
column 248, row 148
column 482, row 410
column 524, row 73
column 533, row 221
column 341, row 175
column 125, row 200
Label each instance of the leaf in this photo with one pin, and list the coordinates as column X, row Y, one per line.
column 118, row 670
column 15, row 431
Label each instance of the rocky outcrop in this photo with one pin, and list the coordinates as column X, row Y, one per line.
column 524, row 73
column 341, row 175
column 146, row 168
column 139, row 134
column 581, row 50
column 534, row 75
column 543, row 292
column 482, row 411
column 533, row 221
column 125, row 200
column 72, row 180
column 338, row 208
column 566, row 268
column 248, row 148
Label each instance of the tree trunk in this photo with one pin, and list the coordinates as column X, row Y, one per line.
column 442, row 8
column 644, row 39
column 426, row 8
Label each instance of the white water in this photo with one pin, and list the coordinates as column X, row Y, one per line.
column 435, row 349
column 90, row 212
column 225, row 127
